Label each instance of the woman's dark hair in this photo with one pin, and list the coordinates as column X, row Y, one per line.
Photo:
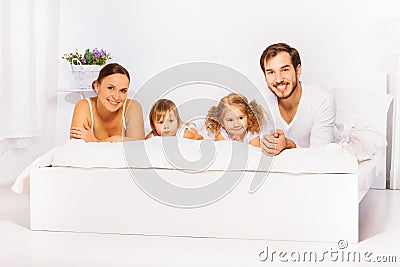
column 110, row 69
column 273, row 50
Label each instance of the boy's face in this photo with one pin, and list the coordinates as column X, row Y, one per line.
column 167, row 126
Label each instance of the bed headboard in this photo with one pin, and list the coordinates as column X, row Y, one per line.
column 370, row 81
column 361, row 97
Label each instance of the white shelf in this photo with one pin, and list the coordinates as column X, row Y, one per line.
column 74, row 90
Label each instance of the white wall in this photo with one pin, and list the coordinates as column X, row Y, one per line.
column 150, row 36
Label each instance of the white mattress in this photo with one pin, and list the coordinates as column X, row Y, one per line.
column 366, row 175
column 225, row 156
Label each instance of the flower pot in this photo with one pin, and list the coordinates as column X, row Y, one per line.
column 85, row 75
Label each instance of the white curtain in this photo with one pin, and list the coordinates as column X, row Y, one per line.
column 395, row 168
column 23, row 68
column 395, row 164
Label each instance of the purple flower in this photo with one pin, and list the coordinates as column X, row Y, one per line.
column 90, row 57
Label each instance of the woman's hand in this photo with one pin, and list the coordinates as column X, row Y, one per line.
column 85, row 133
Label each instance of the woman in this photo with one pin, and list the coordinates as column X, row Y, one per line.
column 110, row 116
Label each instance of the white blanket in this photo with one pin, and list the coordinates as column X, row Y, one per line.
column 172, row 153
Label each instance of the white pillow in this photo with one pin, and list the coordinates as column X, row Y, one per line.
column 343, row 129
column 362, row 143
column 361, row 120
column 364, row 108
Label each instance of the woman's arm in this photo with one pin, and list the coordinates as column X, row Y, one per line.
column 134, row 121
column 81, row 124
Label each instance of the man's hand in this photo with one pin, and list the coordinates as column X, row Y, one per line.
column 273, row 143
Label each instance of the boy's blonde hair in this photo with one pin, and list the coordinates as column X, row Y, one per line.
column 160, row 110
column 253, row 111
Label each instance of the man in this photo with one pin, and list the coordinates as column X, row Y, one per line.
column 304, row 115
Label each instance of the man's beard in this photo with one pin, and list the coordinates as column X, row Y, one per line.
column 291, row 92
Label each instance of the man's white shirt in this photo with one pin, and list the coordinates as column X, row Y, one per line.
column 314, row 121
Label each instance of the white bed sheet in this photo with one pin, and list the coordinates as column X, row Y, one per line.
column 76, row 153
column 330, row 158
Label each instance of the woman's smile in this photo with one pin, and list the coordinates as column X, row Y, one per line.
column 113, row 102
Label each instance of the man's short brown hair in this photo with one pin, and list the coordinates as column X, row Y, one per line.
column 273, row 50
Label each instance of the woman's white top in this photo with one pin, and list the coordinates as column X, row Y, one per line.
column 123, row 116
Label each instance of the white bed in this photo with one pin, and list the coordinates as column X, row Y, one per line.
column 106, row 198
column 305, row 198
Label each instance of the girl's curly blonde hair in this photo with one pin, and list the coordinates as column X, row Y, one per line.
column 254, row 112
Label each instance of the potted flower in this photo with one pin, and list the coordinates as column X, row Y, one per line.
column 86, row 67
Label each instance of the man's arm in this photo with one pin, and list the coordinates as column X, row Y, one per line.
column 322, row 131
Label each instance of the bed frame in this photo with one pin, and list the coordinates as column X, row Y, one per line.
column 284, row 208
column 289, row 206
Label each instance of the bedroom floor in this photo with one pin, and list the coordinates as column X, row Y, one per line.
column 379, row 243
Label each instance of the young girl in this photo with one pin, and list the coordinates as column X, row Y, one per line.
column 236, row 119
column 165, row 121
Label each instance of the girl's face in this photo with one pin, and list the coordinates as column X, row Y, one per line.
column 167, row 126
column 234, row 121
column 112, row 91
